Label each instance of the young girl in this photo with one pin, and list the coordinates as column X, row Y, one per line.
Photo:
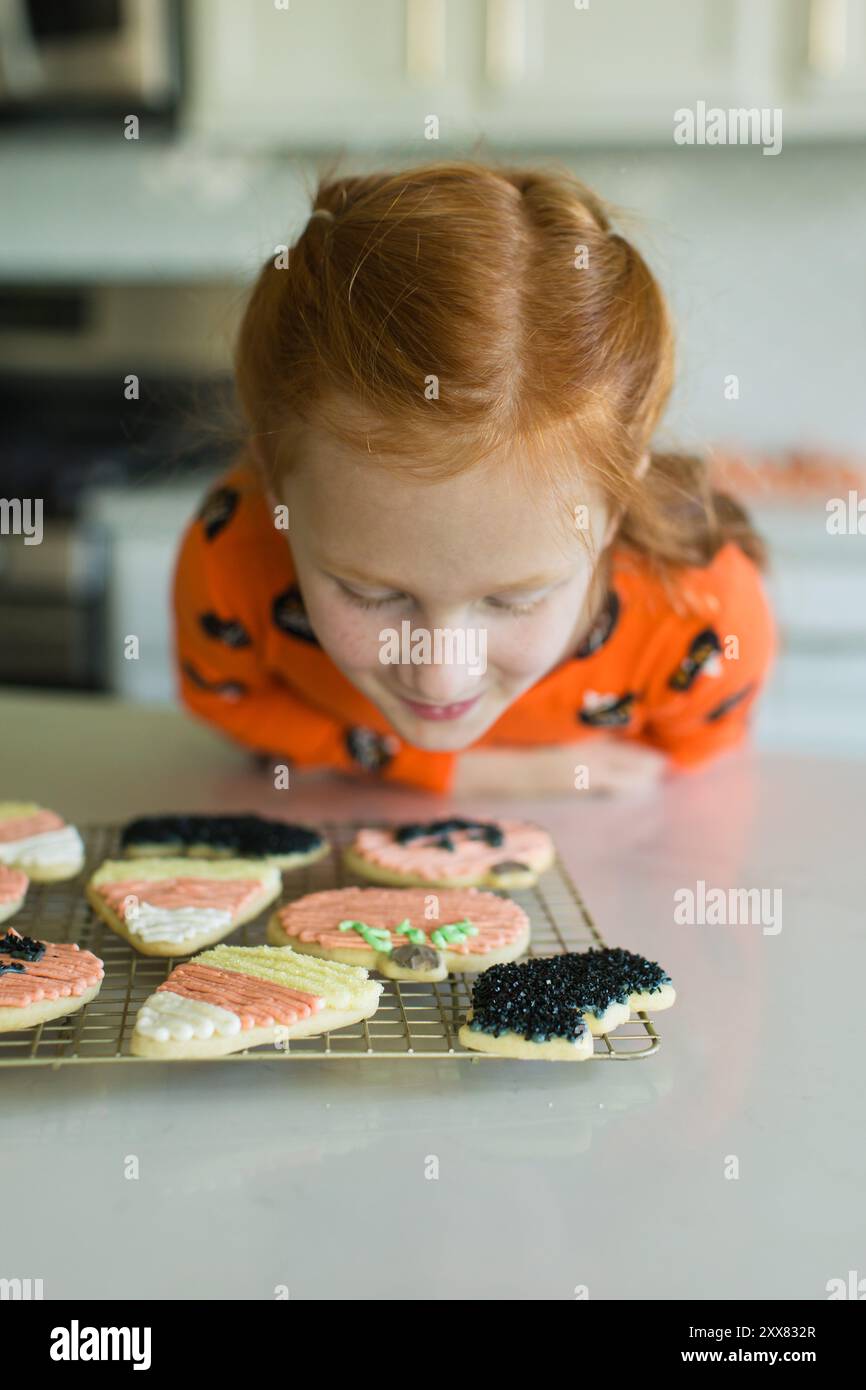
column 447, row 556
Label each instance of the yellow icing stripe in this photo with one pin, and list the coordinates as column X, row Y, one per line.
column 338, row 984
column 116, row 870
column 16, row 810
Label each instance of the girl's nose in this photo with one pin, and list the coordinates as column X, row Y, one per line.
column 446, row 663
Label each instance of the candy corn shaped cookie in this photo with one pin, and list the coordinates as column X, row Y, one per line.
column 174, row 907
column 41, row 980
column 38, row 842
column 235, row 997
column 404, row 933
column 13, row 889
column 453, row 853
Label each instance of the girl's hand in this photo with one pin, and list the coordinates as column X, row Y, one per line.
column 604, row 766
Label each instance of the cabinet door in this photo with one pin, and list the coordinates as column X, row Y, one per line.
column 311, row 72
column 822, row 55
column 569, row 74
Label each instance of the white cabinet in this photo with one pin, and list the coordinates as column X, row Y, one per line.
column 295, row 74
column 617, row 68
column 314, row 72
column 822, row 57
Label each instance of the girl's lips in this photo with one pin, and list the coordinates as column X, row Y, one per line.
column 440, row 711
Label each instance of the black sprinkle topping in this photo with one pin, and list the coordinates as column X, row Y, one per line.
column 440, row 832
column 543, row 999
column 7, row 968
column 247, row 836
column 21, row 948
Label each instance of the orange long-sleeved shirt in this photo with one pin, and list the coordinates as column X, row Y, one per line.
column 676, row 671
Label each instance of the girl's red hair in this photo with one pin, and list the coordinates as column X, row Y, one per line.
column 442, row 313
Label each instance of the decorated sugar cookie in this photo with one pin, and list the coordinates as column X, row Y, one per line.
column 550, row 1008
column 405, row 933
column 38, row 842
column 13, row 890
column 235, row 997
column 223, row 837
column 41, row 980
column 453, row 853
column 174, row 907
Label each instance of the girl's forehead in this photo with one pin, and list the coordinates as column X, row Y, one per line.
column 487, row 529
column 508, row 492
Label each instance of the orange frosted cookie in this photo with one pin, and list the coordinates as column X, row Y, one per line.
column 405, row 933
column 41, row 980
column 174, row 907
column 13, row 889
column 453, row 853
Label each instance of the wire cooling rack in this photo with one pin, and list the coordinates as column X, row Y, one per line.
column 413, row 1020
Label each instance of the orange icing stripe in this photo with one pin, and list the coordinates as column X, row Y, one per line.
column 527, row 844
column 64, row 970
column 22, row 827
column 232, row 894
column 13, row 884
column 316, row 917
column 257, row 1002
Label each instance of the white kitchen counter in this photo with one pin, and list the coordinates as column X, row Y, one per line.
column 610, row 1175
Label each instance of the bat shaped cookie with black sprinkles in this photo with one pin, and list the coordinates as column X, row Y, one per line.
column 550, row 1008
column 282, row 843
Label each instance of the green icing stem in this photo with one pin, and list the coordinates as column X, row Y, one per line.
column 453, row 933
column 379, row 938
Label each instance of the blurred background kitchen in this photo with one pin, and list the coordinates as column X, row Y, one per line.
column 124, row 262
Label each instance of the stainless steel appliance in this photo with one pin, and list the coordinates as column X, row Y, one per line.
column 59, row 58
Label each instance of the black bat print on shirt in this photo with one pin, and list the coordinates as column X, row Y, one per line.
column 602, row 629
column 608, row 712
column 230, row 690
column 228, row 630
column 217, row 510
column 290, row 615
column 703, row 649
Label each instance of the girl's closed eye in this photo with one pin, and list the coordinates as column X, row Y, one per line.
column 367, row 600
column 514, row 608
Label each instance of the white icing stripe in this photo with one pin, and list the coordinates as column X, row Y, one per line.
column 175, row 923
column 168, row 1017
column 52, row 847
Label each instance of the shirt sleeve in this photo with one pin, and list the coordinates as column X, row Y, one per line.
column 220, row 673
column 223, row 680
column 710, row 670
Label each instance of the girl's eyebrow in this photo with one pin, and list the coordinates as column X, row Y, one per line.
column 524, row 586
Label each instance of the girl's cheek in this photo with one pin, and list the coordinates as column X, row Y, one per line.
column 525, row 647
column 350, row 636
